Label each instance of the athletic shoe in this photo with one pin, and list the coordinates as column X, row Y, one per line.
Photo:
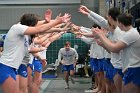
column 67, row 87
column 89, row 91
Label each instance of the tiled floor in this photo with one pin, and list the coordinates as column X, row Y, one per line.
column 57, row 85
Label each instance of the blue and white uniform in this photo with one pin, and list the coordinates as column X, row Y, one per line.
column 115, row 57
column 36, row 62
column 13, row 53
column 131, row 56
column 68, row 58
column 22, row 70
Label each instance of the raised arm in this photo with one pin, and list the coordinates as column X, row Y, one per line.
column 47, row 26
column 101, row 21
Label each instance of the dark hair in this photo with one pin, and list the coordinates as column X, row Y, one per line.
column 137, row 24
column 95, row 26
column 114, row 13
column 67, row 43
column 29, row 19
column 125, row 19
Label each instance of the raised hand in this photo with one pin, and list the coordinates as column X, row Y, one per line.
column 84, row 10
column 98, row 32
column 63, row 19
column 66, row 18
column 66, row 27
column 79, row 36
column 75, row 27
column 48, row 15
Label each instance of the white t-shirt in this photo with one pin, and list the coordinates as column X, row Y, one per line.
column 30, row 54
column 31, row 58
column 106, row 53
column 14, row 46
column 116, row 57
column 96, row 51
column 68, row 57
column 26, row 58
column 131, row 54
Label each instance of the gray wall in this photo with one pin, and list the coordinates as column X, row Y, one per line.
column 10, row 14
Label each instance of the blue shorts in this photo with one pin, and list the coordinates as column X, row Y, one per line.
column 22, row 70
column 37, row 65
column 108, row 68
column 91, row 63
column 132, row 75
column 5, row 72
column 94, row 64
column 106, row 63
column 67, row 67
column 100, row 64
column 119, row 71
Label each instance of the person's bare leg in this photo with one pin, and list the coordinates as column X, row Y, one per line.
column 113, row 88
column 103, row 88
column 86, row 70
column 66, row 77
column 36, row 82
column 99, row 81
column 30, row 79
column 10, row 86
column 131, row 88
column 118, row 83
column 107, row 85
column 23, row 84
column 96, row 81
column 17, row 81
column 71, row 76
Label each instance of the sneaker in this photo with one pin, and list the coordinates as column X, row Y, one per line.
column 72, row 80
column 89, row 91
column 87, row 76
column 67, row 87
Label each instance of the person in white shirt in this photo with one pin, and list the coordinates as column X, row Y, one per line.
column 68, row 57
column 130, row 44
column 96, row 56
column 116, row 61
column 14, row 48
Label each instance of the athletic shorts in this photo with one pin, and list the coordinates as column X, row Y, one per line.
column 37, row 65
column 108, row 68
column 91, row 63
column 5, row 72
column 119, row 71
column 94, row 62
column 22, row 71
column 106, row 63
column 132, row 75
column 67, row 67
column 100, row 64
